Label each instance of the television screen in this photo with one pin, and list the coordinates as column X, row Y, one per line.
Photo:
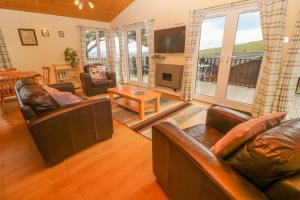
column 170, row 40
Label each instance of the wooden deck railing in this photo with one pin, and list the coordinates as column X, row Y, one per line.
column 243, row 72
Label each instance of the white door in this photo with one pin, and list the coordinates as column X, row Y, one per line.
column 229, row 58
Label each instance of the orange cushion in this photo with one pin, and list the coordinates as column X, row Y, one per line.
column 245, row 131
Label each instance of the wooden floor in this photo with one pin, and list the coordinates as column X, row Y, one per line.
column 120, row 168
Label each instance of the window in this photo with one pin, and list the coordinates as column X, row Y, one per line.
column 95, row 46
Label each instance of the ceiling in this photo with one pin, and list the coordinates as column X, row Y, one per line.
column 105, row 10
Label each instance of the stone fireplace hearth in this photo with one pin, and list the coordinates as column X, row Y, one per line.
column 169, row 76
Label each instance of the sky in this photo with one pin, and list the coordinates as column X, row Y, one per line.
column 248, row 30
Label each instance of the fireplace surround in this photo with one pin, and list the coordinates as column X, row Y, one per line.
column 169, row 76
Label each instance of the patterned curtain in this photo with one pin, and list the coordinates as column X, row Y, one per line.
column 83, row 45
column 123, row 56
column 4, row 58
column 192, row 41
column 110, row 50
column 289, row 75
column 150, row 41
column 273, row 21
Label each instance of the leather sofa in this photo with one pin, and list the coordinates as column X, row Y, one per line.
column 93, row 87
column 63, row 131
column 186, row 169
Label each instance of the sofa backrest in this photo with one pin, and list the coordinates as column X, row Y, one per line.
column 33, row 99
column 86, row 67
column 271, row 157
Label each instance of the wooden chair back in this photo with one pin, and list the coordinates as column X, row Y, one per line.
column 46, row 75
column 2, row 69
column 7, row 85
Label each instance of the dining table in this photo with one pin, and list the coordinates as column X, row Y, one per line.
column 19, row 74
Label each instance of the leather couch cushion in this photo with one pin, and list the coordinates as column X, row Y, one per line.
column 245, row 131
column 37, row 98
column 270, row 156
column 289, row 188
column 204, row 134
column 21, row 83
column 100, row 83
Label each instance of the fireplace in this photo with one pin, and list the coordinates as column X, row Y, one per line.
column 169, row 75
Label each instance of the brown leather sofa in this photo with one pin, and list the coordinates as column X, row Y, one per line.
column 63, row 131
column 186, row 169
column 92, row 87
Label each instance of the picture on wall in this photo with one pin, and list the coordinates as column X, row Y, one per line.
column 61, row 34
column 27, row 36
column 45, row 32
column 298, row 87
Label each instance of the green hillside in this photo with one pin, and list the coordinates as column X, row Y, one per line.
column 256, row 46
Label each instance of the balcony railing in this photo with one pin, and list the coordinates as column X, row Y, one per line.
column 243, row 71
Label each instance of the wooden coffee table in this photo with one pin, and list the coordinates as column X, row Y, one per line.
column 133, row 98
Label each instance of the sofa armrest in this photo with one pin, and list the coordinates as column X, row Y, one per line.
column 224, row 119
column 64, row 87
column 86, row 82
column 60, row 133
column 186, row 169
column 112, row 76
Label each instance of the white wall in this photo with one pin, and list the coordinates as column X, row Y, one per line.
column 50, row 49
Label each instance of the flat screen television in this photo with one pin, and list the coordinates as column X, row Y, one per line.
column 171, row 40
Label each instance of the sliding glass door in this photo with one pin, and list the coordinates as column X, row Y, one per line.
column 229, row 57
column 138, row 56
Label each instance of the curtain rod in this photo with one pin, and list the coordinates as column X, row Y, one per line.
column 90, row 27
column 230, row 4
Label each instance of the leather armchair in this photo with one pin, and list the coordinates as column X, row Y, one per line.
column 92, row 87
column 65, row 131
column 185, row 167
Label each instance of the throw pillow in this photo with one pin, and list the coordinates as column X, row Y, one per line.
column 245, row 131
column 62, row 98
column 98, row 72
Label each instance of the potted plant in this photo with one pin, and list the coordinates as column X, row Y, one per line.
column 71, row 56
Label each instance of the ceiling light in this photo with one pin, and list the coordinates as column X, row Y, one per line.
column 80, row 3
column 91, row 4
column 80, row 6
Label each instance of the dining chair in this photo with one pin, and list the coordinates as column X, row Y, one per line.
column 7, row 85
column 45, row 78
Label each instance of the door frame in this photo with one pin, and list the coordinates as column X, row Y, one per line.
column 231, row 14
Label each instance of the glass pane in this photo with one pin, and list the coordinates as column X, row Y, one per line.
column 145, row 57
column 212, row 32
column 132, row 54
column 91, row 46
column 102, row 47
column 246, row 59
column 118, row 57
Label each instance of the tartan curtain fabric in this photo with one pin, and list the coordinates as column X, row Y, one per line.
column 110, row 50
column 289, row 75
column 123, row 56
column 273, row 21
column 83, row 45
column 192, row 41
column 150, row 41
column 4, row 58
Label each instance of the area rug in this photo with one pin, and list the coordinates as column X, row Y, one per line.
column 187, row 117
column 131, row 118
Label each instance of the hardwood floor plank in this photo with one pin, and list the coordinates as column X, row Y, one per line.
column 119, row 168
